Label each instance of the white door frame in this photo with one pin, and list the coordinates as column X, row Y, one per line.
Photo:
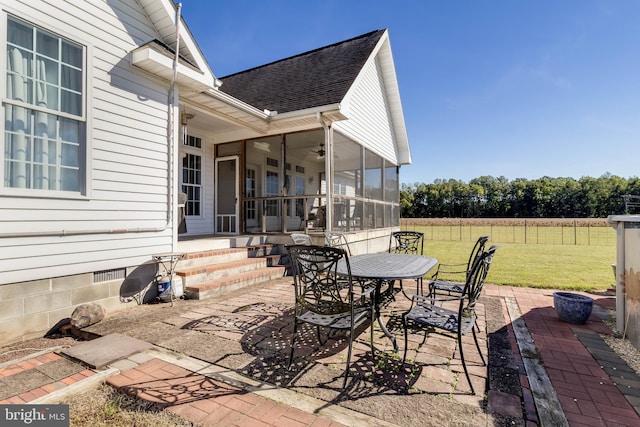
column 226, row 222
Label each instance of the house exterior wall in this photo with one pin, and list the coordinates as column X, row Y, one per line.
column 51, row 244
column 367, row 107
column 55, row 246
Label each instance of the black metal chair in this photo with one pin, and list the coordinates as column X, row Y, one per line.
column 407, row 242
column 449, row 279
column 427, row 315
column 325, row 299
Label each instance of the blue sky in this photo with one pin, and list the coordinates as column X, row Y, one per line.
column 513, row 88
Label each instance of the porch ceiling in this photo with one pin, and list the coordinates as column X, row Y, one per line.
column 232, row 120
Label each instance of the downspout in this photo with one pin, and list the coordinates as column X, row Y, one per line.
column 171, row 134
column 328, row 171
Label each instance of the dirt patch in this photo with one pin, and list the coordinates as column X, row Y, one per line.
column 25, row 348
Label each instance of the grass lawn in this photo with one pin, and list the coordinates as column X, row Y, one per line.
column 569, row 267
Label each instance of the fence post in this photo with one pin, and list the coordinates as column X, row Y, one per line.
column 575, row 232
column 525, row 231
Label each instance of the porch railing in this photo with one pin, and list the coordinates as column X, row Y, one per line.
column 285, row 213
column 307, row 211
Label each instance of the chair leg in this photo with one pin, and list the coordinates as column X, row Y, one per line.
column 424, row 340
column 346, row 369
column 373, row 319
column 406, row 336
column 319, row 336
column 293, row 340
column 475, row 338
column 403, row 292
column 432, row 292
column 464, row 365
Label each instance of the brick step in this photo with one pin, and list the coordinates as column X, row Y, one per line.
column 213, row 256
column 205, row 273
column 221, row 285
column 194, row 259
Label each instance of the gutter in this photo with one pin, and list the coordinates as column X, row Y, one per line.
column 62, row 233
column 171, row 132
column 222, row 96
column 333, row 109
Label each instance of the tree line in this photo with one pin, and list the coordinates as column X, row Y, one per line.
column 491, row 197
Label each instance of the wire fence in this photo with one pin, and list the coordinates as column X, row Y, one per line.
column 532, row 231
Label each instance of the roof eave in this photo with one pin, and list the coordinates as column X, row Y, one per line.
column 156, row 60
column 230, row 100
column 162, row 14
column 383, row 50
column 331, row 112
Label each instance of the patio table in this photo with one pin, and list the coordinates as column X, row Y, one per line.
column 383, row 267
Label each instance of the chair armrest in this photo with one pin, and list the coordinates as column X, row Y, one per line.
column 450, row 269
column 421, row 299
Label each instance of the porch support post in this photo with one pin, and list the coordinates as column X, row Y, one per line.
column 284, row 191
column 328, row 168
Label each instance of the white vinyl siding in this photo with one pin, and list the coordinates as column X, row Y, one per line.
column 367, row 107
column 127, row 161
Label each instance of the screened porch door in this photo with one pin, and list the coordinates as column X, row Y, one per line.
column 227, row 180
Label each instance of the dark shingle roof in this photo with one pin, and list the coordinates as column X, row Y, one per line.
column 316, row 78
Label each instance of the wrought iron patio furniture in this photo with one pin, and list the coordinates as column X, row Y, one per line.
column 337, row 239
column 326, row 299
column 425, row 314
column 380, row 270
column 407, row 242
column 450, row 278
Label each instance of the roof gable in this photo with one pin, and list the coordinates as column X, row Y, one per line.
column 162, row 15
column 311, row 79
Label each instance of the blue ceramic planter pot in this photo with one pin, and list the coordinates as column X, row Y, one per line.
column 572, row 308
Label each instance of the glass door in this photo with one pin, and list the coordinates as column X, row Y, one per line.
column 251, row 186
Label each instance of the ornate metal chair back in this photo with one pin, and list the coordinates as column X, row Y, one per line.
column 318, row 288
column 406, row 242
column 475, row 282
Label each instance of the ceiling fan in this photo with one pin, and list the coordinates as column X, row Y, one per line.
column 320, row 152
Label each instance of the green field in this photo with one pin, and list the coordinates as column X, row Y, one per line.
column 552, row 266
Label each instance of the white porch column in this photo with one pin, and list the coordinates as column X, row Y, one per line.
column 328, row 169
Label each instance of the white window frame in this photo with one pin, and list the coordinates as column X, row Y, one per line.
column 195, row 151
column 84, row 159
